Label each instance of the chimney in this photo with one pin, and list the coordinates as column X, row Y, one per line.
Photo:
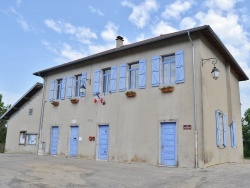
column 119, row 41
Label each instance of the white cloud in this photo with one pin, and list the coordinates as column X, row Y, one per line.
column 110, row 32
column 18, row 3
column 20, row 20
column 177, row 8
column 187, row 23
column 141, row 14
column 52, row 25
column 162, row 28
column 64, row 52
column 69, row 53
column 224, row 5
column 82, row 34
column 94, row 10
column 93, row 49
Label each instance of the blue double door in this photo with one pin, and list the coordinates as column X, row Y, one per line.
column 54, row 140
column 168, row 144
column 73, row 151
column 103, row 142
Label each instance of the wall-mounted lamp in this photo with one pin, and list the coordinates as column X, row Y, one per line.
column 83, row 86
column 215, row 72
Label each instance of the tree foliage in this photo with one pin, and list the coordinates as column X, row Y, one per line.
column 3, row 129
column 246, row 133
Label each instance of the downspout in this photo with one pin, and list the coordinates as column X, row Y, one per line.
column 40, row 143
column 195, row 104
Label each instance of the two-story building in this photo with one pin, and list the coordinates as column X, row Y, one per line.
column 178, row 115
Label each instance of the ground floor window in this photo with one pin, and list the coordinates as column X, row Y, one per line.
column 221, row 130
column 31, row 139
column 22, row 138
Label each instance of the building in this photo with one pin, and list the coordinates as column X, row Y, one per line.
column 23, row 122
column 87, row 112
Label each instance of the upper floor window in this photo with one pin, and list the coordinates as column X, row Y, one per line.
column 133, row 76
column 221, row 132
column 77, row 85
column 30, row 111
column 106, row 80
column 168, row 70
column 59, row 89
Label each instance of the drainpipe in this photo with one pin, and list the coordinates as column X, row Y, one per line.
column 195, row 104
column 40, row 143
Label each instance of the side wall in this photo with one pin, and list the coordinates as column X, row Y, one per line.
column 22, row 121
column 223, row 95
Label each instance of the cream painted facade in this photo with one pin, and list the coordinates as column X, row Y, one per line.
column 24, row 122
column 153, row 127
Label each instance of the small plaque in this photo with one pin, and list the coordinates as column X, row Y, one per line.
column 187, row 127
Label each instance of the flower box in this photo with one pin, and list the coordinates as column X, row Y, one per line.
column 167, row 89
column 130, row 93
column 74, row 101
column 55, row 103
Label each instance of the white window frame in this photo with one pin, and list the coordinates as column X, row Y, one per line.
column 171, row 72
column 31, row 139
column 77, row 85
column 106, row 78
column 135, row 73
column 58, row 88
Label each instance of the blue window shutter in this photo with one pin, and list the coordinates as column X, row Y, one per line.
column 113, row 79
column 51, row 91
column 122, row 84
column 142, row 73
column 180, row 72
column 83, row 82
column 70, row 89
column 156, row 71
column 217, row 128
column 233, row 134
column 224, row 130
column 63, row 90
column 96, row 81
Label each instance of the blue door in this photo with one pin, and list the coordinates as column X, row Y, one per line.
column 168, row 144
column 74, row 141
column 103, row 142
column 54, row 140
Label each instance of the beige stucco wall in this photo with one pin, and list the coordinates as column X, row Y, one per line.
column 221, row 94
column 22, row 121
column 134, row 122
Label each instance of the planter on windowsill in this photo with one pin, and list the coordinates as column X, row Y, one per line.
column 55, row 103
column 130, row 93
column 74, row 101
column 167, row 89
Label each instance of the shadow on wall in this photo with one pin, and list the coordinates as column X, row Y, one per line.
column 2, row 146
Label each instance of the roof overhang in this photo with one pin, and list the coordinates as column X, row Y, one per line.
column 26, row 97
column 205, row 30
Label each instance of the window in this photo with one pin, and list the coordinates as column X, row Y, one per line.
column 30, row 111
column 233, row 134
column 221, row 132
column 133, row 75
column 22, row 138
column 106, row 80
column 77, row 85
column 168, row 70
column 59, row 89
column 31, row 139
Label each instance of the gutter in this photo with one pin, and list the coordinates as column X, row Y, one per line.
column 40, row 143
column 195, row 104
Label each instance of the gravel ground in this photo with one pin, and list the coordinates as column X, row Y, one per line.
column 28, row 170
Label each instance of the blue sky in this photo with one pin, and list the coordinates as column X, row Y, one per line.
column 36, row 35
